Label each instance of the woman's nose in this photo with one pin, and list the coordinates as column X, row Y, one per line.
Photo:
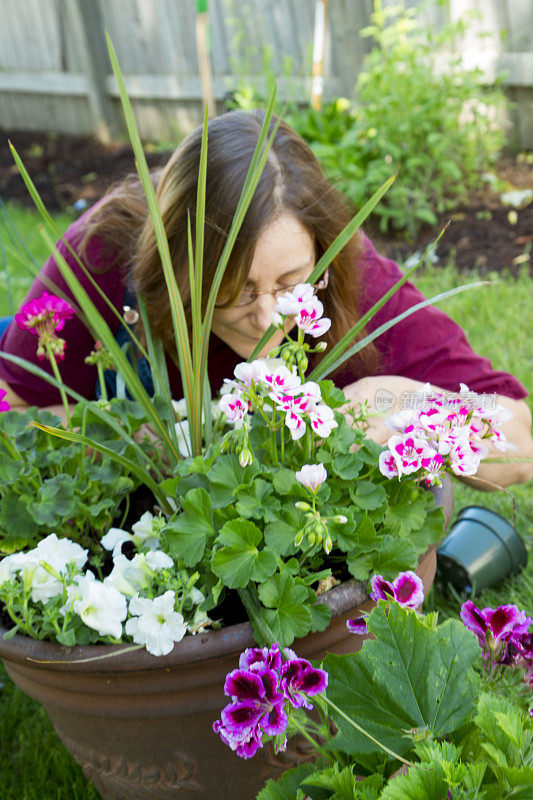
column 262, row 311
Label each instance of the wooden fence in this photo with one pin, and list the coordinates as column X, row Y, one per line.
column 55, row 75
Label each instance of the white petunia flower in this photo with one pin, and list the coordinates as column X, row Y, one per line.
column 127, row 576
column 145, row 532
column 42, row 568
column 100, row 606
column 10, row 565
column 155, row 624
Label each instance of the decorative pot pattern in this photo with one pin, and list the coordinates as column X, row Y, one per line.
column 141, row 726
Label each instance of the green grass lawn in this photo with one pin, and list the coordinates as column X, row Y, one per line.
column 33, row 763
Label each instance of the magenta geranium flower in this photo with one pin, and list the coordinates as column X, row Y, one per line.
column 407, row 589
column 493, row 625
column 4, row 405
column 45, row 312
column 262, row 691
column 257, row 708
column 357, row 626
column 44, row 316
column 271, row 656
column 300, row 680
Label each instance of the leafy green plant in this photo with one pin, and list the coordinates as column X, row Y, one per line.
column 433, row 125
column 415, row 691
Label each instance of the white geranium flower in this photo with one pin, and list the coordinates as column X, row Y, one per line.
column 155, row 624
column 100, row 606
column 312, row 476
column 180, row 408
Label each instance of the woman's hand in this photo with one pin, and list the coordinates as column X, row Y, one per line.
column 387, row 394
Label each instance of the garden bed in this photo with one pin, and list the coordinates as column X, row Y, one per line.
column 66, row 169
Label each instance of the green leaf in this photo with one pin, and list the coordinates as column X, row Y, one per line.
column 280, row 535
column 288, row 612
column 255, row 502
column 321, row 616
column 186, row 535
column 331, row 394
column 286, row 787
column 10, row 469
column 368, row 496
column 239, row 560
column 409, row 677
column 16, row 522
column 55, row 500
column 226, row 475
column 393, row 556
column 347, row 466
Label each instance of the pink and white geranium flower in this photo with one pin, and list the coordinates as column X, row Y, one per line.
column 444, row 434
column 310, row 320
column 234, row 406
column 312, row 476
column 290, row 303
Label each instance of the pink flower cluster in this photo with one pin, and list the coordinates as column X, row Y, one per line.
column 406, row 589
column 445, row 434
column 503, row 634
column 44, row 316
column 302, row 304
column 300, row 403
column 262, row 690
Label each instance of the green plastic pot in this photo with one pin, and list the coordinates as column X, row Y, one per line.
column 481, row 549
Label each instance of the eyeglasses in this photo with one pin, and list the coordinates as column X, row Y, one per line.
column 248, row 296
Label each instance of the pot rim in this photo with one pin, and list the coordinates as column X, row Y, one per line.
column 224, row 642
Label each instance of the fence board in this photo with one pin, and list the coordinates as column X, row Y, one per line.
column 42, row 70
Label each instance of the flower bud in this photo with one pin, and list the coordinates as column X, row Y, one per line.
column 303, row 506
column 245, row 457
column 321, row 346
column 340, row 519
column 328, row 544
column 298, row 539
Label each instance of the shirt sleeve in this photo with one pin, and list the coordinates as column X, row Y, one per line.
column 79, row 340
column 428, row 345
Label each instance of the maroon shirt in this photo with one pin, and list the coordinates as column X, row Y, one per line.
column 427, row 346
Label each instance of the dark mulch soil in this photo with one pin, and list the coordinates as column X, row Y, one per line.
column 67, row 169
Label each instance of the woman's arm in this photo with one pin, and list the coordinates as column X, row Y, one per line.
column 386, row 394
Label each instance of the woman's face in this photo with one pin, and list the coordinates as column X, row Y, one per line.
column 284, row 256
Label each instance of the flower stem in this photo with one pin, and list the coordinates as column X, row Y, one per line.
column 309, row 738
column 250, row 601
column 354, row 724
column 101, row 380
column 57, row 376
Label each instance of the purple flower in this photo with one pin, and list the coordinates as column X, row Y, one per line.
column 492, row 625
column 259, row 690
column 407, row 589
column 261, row 655
column 357, row 626
column 257, row 708
column 299, row 678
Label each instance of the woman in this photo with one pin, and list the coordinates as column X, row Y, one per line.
column 294, row 216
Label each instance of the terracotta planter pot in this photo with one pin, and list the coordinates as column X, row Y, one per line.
column 141, row 726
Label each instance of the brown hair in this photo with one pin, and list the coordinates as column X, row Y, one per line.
column 291, row 182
